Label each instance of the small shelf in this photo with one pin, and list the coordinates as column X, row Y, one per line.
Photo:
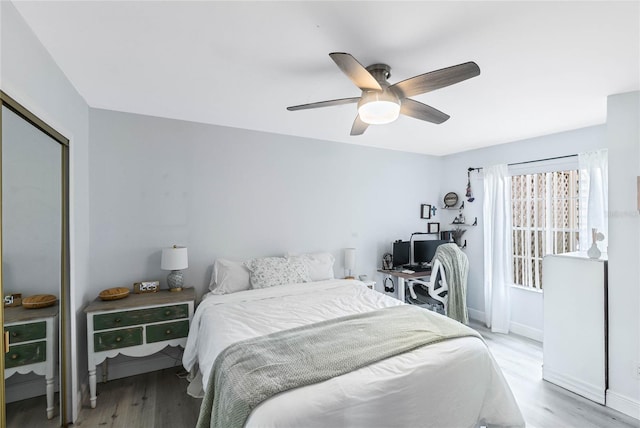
column 462, row 224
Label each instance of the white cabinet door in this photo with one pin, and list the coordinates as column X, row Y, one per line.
column 575, row 342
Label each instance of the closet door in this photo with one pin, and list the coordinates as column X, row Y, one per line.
column 34, row 263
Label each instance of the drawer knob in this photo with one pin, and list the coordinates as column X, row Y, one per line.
column 118, row 339
column 117, row 320
column 14, row 356
column 167, row 312
column 14, row 334
column 167, row 332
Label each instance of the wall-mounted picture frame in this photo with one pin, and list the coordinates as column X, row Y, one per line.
column 425, row 211
column 433, row 227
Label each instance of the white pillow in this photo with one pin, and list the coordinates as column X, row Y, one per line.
column 320, row 265
column 229, row 277
column 270, row 271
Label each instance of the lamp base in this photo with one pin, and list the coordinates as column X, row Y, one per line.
column 174, row 280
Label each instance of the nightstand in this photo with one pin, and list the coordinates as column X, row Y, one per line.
column 138, row 325
column 33, row 345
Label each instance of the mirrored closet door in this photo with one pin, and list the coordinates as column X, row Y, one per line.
column 34, row 264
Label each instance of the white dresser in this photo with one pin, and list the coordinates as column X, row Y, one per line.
column 575, row 323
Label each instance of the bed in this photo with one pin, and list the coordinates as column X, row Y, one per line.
column 453, row 383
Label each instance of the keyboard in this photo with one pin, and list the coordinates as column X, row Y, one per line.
column 418, row 268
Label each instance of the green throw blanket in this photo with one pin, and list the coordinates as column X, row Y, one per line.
column 456, row 270
column 249, row 372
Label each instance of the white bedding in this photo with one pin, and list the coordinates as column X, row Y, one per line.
column 455, row 383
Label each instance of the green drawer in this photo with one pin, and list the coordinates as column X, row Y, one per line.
column 116, row 339
column 140, row 316
column 21, row 355
column 26, row 332
column 167, row 331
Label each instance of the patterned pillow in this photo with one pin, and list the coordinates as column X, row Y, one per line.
column 320, row 265
column 270, row 271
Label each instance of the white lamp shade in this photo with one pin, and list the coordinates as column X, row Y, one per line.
column 350, row 258
column 174, row 258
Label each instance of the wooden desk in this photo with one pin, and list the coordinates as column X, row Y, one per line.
column 33, row 345
column 402, row 276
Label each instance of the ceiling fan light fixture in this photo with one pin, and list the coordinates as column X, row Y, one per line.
column 378, row 108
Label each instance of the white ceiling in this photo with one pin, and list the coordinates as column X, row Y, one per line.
column 545, row 66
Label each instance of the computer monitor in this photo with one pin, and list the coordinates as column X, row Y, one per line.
column 400, row 253
column 423, row 251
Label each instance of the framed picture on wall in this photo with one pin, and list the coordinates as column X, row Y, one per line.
column 433, row 227
column 425, row 211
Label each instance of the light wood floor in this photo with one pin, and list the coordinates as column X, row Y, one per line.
column 158, row 399
column 151, row 400
column 543, row 404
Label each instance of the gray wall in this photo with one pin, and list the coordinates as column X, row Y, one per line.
column 623, row 138
column 526, row 305
column 233, row 193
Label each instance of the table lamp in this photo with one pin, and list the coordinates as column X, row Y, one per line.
column 350, row 262
column 174, row 259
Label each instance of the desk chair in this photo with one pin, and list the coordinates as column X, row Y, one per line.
column 448, row 281
column 436, row 287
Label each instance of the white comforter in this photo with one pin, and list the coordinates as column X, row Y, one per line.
column 455, row 383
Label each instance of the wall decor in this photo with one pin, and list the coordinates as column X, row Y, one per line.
column 425, row 211
column 450, row 199
column 433, row 227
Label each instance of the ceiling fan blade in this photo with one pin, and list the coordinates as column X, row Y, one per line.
column 359, row 126
column 436, row 79
column 325, row 104
column 421, row 111
column 355, row 71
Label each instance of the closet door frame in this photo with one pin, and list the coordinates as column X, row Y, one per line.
column 64, row 316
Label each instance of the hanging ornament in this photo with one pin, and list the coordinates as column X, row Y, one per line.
column 469, row 194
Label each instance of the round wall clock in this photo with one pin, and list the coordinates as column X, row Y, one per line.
column 450, row 199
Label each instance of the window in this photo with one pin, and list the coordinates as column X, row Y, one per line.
column 545, row 221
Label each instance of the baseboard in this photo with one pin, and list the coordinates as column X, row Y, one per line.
column 476, row 315
column 623, row 404
column 526, row 331
column 514, row 327
column 121, row 366
column 83, row 394
column 577, row 386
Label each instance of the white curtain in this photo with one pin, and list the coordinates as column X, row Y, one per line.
column 497, row 248
column 594, row 197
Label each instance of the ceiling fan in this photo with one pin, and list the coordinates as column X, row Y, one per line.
column 382, row 102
